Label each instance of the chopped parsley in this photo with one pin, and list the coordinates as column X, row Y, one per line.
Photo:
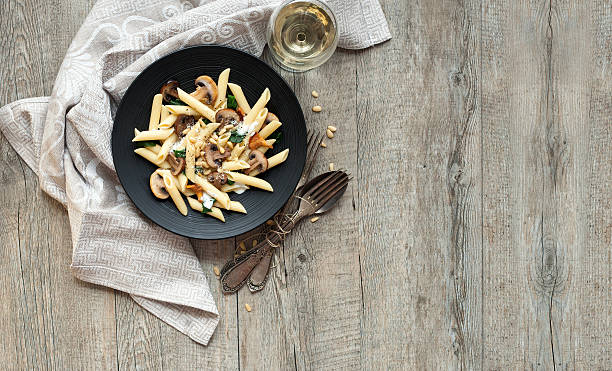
column 206, row 121
column 148, row 143
column 230, row 182
column 179, row 152
column 177, row 102
column 236, row 138
column 199, row 169
column 231, row 102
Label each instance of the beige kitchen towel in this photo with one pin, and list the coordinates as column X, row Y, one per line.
column 65, row 139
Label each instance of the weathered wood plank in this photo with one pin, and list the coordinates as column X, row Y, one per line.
column 538, row 123
column 46, row 322
column 419, row 189
column 310, row 318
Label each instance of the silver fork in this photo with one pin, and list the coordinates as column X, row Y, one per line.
column 319, row 195
column 259, row 276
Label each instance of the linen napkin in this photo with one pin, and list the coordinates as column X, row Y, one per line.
column 65, row 139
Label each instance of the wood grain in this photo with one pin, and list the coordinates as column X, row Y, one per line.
column 476, row 234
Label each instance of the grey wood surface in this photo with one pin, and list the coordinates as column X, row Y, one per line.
column 477, row 233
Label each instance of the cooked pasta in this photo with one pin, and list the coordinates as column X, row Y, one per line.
column 208, row 144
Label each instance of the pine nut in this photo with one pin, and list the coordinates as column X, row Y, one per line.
column 331, row 166
column 323, row 145
column 247, row 307
column 332, row 128
column 221, row 150
column 329, row 134
column 216, row 270
column 315, row 94
column 314, row 219
column 316, row 109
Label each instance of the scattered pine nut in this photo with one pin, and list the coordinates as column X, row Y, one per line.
column 329, row 134
column 314, row 219
column 316, row 109
column 247, row 307
column 332, row 128
column 270, row 222
column 315, row 94
column 331, row 166
column 323, row 145
column 216, row 270
column 242, row 246
column 254, row 243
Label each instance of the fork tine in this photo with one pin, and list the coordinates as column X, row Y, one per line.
column 332, row 183
column 331, row 192
column 320, row 184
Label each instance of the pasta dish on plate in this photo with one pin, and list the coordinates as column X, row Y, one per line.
column 208, row 144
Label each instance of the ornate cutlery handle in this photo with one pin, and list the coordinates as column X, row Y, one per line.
column 234, row 276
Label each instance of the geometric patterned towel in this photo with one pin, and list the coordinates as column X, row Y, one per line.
column 65, row 139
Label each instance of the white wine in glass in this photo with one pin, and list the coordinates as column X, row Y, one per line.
column 302, row 34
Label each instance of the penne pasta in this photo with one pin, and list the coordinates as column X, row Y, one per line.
column 215, row 212
column 278, row 158
column 168, row 122
column 259, row 119
column 172, row 189
column 183, row 110
column 269, row 129
column 190, row 162
column 208, row 129
column 234, row 206
column 155, row 149
column 153, row 135
column 182, row 180
column 235, row 165
column 165, row 148
column 165, row 112
column 148, row 155
column 196, row 105
column 155, row 112
column 250, row 181
column 240, row 98
column 218, row 195
column 222, row 86
column 261, row 103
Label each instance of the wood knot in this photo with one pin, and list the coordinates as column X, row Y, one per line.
column 457, row 78
column 302, row 258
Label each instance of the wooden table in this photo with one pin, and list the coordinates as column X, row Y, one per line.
column 476, row 235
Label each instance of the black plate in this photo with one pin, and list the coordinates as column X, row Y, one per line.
column 253, row 75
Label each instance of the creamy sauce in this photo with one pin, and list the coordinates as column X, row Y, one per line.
column 240, row 188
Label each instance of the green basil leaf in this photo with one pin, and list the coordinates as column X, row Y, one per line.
column 236, row 138
column 177, row 102
column 179, row 152
column 231, row 102
column 148, row 143
column 276, row 135
column 230, row 182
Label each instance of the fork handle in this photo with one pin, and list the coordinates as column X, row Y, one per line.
column 235, row 276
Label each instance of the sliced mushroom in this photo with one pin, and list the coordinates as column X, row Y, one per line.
column 214, row 158
column 258, row 161
column 206, row 90
column 270, row 117
column 156, row 182
column 168, row 90
column 227, row 116
column 177, row 163
column 183, row 122
column 217, row 179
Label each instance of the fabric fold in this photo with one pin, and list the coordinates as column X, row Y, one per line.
column 65, row 139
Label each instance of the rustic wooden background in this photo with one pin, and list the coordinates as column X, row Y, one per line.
column 477, row 235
